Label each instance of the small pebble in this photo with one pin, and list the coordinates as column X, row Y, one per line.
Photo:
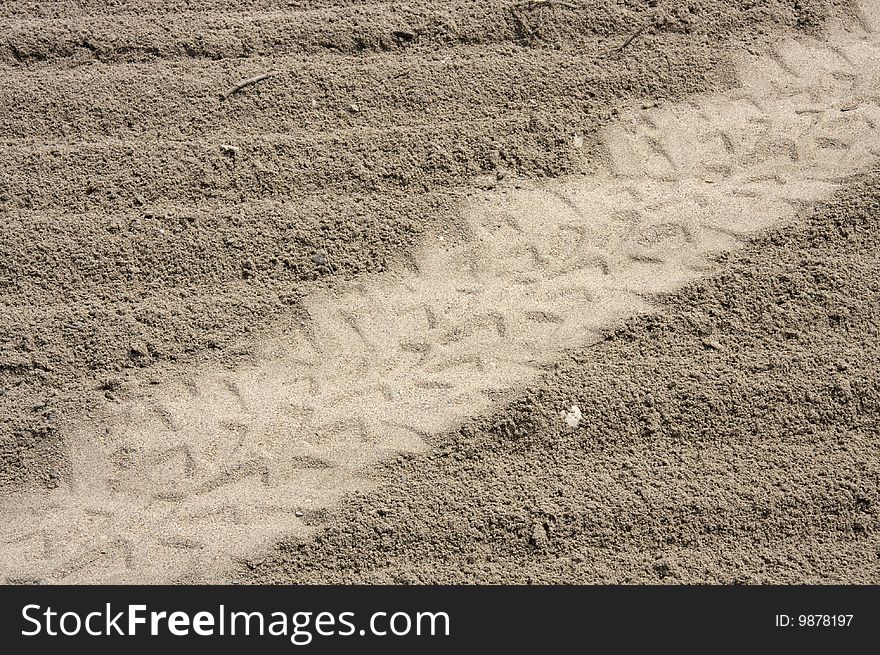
column 573, row 416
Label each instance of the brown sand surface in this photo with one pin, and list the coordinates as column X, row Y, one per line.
column 145, row 221
column 225, row 307
column 733, row 438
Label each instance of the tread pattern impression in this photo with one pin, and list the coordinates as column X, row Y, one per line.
column 179, row 479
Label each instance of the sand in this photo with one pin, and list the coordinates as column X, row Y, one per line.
column 145, row 221
column 729, row 439
column 259, row 298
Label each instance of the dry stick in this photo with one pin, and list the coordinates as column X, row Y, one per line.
column 246, row 83
column 632, row 37
column 537, row 4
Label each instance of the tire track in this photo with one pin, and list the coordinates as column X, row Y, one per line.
column 175, row 483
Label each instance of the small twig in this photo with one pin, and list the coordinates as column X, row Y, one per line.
column 537, row 4
column 632, row 37
column 246, row 83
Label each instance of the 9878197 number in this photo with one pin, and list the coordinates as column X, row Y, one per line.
column 814, row 620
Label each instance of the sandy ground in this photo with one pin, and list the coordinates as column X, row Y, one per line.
column 730, row 439
column 259, row 298
column 146, row 221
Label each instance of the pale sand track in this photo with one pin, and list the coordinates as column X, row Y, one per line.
column 185, row 476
